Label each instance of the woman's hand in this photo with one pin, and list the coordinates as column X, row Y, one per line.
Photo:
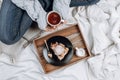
column 51, row 28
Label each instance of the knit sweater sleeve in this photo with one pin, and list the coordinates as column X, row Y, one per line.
column 34, row 10
column 62, row 6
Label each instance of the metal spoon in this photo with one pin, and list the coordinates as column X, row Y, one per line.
column 46, row 45
column 47, row 48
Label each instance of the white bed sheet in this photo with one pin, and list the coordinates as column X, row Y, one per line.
column 100, row 26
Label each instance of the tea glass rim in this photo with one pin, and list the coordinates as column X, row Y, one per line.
column 58, row 14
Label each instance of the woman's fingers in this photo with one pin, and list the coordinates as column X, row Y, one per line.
column 51, row 28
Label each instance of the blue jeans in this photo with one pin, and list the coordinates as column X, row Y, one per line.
column 82, row 2
column 47, row 4
column 14, row 21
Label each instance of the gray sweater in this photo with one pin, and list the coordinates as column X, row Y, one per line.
column 38, row 14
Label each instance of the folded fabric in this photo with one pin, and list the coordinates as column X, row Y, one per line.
column 115, row 32
column 101, row 18
column 106, row 63
column 34, row 10
column 0, row 3
column 12, row 51
column 62, row 6
column 99, row 32
column 100, row 39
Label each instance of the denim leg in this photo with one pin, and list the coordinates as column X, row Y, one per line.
column 46, row 4
column 75, row 3
column 13, row 22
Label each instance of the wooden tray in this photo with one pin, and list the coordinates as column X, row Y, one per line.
column 74, row 34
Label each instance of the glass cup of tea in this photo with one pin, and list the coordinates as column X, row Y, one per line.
column 54, row 19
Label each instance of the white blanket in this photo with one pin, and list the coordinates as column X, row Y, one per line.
column 100, row 25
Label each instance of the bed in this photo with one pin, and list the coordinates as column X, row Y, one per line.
column 100, row 24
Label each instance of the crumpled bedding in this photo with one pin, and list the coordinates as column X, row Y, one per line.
column 0, row 3
column 100, row 24
column 103, row 20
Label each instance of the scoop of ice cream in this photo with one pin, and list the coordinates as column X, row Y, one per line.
column 59, row 50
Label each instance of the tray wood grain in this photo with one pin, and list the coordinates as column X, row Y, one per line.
column 75, row 35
